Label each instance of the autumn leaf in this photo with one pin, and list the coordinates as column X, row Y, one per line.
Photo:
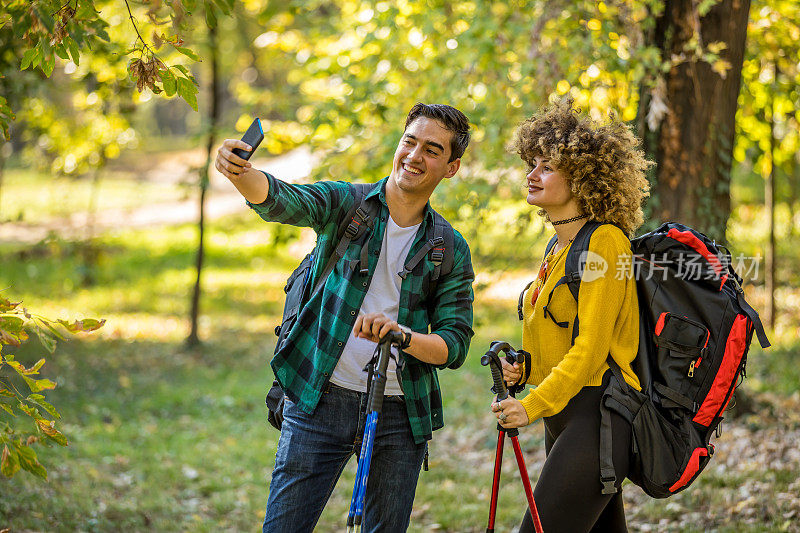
column 48, row 428
column 9, row 464
column 87, row 324
column 37, row 385
column 721, row 67
column 29, row 462
column 6, row 305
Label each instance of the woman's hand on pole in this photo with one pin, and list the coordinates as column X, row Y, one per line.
column 510, row 413
column 511, row 373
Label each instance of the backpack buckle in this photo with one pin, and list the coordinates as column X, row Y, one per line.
column 352, row 229
column 608, row 485
column 437, row 250
column 360, row 213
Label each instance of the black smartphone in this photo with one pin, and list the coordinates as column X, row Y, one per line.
column 253, row 137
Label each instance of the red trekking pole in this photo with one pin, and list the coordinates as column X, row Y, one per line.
column 492, row 358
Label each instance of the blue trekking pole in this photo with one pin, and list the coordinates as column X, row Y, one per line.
column 374, row 406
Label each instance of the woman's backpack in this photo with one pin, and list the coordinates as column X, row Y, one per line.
column 695, row 332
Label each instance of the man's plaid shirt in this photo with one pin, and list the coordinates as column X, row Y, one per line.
column 304, row 365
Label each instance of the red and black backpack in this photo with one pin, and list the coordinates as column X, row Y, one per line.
column 694, row 335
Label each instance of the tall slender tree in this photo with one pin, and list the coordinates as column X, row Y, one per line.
column 213, row 125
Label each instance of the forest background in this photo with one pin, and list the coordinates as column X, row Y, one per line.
column 111, row 111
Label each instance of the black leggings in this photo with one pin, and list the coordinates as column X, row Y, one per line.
column 568, row 493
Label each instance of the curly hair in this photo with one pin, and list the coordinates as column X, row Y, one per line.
column 603, row 164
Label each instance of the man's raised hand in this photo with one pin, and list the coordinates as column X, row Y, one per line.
column 229, row 164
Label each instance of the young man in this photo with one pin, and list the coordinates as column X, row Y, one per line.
column 320, row 366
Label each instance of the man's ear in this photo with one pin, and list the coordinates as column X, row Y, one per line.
column 452, row 168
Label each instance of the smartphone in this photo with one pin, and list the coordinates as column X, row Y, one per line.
column 253, row 137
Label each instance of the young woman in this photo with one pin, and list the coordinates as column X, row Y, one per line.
column 578, row 171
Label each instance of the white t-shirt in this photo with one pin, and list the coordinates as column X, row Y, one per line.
column 383, row 296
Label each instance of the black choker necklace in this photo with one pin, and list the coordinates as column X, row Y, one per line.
column 568, row 220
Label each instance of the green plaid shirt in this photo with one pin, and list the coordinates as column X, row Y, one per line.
column 305, row 363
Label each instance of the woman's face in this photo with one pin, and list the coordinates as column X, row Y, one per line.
column 547, row 187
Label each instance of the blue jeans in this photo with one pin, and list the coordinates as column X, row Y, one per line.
column 314, row 449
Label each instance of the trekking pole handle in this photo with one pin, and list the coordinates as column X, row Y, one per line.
column 379, row 380
column 492, row 358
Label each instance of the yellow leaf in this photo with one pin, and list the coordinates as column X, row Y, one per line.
column 721, row 67
column 48, row 428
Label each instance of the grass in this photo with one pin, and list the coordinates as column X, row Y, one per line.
column 28, row 195
column 163, row 438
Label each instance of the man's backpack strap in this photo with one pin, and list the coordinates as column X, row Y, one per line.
column 359, row 219
column 439, row 246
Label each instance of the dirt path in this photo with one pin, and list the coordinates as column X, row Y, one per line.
column 222, row 199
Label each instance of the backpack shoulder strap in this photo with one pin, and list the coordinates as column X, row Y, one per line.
column 521, row 302
column 359, row 218
column 442, row 256
column 441, row 240
column 573, row 271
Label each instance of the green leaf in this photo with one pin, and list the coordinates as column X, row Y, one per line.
column 186, row 72
column 74, row 51
column 30, row 411
column 188, row 53
column 49, row 64
column 103, row 35
column 188, row 92
column 86, row 10
column 37, row 385
column 7, row 408
column 91, row 324
column 61, row 51
column 27, row 58
column 11, row 324
column 28, row 461
column 211, row 17
column 169, row 82
column 47, row 341
column 44, row 405
column 50, row 326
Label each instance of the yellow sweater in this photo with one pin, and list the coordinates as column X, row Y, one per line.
column 609, row 324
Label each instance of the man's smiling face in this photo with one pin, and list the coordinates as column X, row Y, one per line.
column 421, row 160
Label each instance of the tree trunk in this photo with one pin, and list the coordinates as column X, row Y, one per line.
column 2, row 172
column 769, row 204
column 693, row 145
column 90, row 249
column 194, row 339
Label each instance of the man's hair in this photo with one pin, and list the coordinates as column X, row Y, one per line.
column 602, row 163
column 451, row 118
